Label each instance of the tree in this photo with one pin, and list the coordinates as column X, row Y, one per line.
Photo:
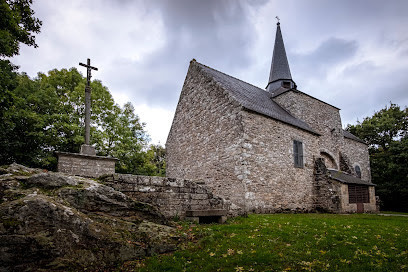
column 17, row 25
column 121, row 135
column 155, row 160
column 383, row 128
column 386, row 134
column 47, row 116
column 7, row 82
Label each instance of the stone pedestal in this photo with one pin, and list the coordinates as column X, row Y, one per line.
column 88, row 150
column 85, row 165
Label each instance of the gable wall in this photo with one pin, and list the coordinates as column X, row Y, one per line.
column 272, row 182
column 320, row 116
column 204, row 143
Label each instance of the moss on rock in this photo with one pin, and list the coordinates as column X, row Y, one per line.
column 58, row 222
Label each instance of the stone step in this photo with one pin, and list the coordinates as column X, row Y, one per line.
column 207, row 216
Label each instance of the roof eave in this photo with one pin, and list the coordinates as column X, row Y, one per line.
column 279, row 120
column 354, row 182
column 296, row 90
column 356, row 140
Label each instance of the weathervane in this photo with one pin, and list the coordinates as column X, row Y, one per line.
column 277, row 18
column 88, row 100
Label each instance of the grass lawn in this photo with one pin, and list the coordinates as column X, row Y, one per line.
column 290, row 242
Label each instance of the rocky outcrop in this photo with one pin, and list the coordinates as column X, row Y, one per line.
column 53, row 221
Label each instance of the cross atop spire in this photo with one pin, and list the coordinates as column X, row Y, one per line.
column 280, row 73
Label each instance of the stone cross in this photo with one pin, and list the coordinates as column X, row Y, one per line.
column 88, row 100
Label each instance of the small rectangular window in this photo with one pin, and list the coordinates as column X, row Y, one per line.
column 298, row 153
column 286, row 84
column 358, row 194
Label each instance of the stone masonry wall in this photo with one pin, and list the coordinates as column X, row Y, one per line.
column 273, row 183
column 173, row 197
column 347, row 207
column 333, row 196
column 205, row 140
column 357, row 153
column 327, row 192
column 85, row 165
column 323, row 118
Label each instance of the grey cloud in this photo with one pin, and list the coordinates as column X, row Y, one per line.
column 369, row 88
column 358, row 70
column 318, row 63
column 224, row 35
column 218, row 30
column 350, row 15
column 216, row 33
column 404, row 53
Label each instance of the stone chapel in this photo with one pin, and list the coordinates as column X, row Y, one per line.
column 273, row 150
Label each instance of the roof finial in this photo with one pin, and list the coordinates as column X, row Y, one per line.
column 277, row 18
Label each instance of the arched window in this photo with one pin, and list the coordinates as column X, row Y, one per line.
column 328, row 160
column 358, row 171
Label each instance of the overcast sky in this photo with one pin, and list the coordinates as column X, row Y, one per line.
column 352, row 54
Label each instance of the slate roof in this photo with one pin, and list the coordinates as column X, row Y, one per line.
column 254, row 99
column 280, row 65
column 352, row 137
column 346, row 178
column 279, row 91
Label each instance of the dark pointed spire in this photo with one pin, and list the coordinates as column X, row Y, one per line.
column 280, row 73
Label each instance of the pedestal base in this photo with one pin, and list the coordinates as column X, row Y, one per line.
column 88, row 150
column 85, row 165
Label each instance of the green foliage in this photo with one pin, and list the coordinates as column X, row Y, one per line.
column 386, row 132
column 7, row 82
column 155, row 161
column 383, row 128
column 47, row 116
column 290, row 242
column 121, row 135
column 17, row 25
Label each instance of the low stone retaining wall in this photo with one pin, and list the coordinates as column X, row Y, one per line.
column 173, row 197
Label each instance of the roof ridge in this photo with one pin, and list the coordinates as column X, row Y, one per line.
column 347, row 134
column 273, row 110
column 267, row 93
column 230, row 76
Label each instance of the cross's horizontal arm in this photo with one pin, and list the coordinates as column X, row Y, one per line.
column 88, row 66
